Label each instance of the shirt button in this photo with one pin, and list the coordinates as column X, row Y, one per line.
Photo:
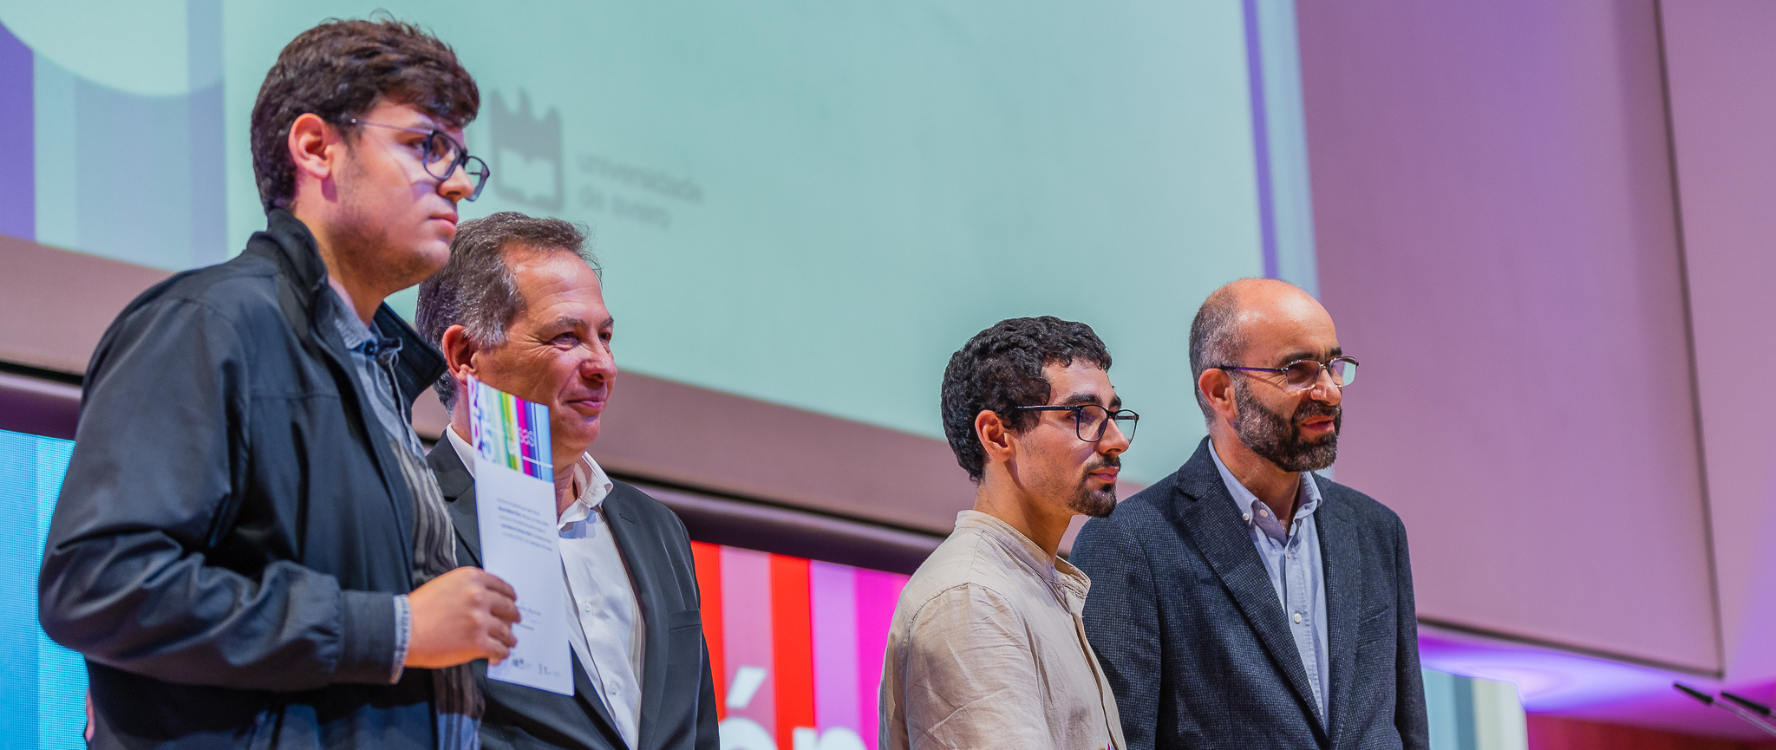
column 1297, row 618
column 1247, row 516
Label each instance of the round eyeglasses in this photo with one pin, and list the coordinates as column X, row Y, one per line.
column 1091, row 420
column 1304, row 373
column 442, row 154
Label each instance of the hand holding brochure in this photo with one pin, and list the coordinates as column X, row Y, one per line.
column 515, row 505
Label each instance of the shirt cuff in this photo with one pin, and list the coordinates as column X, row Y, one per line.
column 403, row 628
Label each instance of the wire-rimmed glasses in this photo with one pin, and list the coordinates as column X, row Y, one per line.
column 442, row 155
column 1304, row 373
column 1094, row 420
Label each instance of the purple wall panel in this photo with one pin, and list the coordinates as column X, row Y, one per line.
column 18, row 146
column 1722, row 71
column 1497, row 242
column 1260, row 140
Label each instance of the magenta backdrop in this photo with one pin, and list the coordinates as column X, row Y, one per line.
column 1722, row 66
column 1498, row 243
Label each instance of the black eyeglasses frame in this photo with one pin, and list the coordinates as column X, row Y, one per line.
column 477, row 170
column 1119, row 415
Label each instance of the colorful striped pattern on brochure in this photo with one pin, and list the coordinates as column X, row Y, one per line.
column 509, row 430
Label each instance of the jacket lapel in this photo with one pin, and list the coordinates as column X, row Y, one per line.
column 1209, row 515
column 627, row 532
column 287, row 243
column 419, row 365
column 587, row 694
column 458, row 488
column 1339, row 557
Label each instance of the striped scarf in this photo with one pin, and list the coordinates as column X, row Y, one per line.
column 457, row 701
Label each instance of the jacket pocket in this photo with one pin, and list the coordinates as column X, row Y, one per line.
column 684, row 618
column 1376, row 626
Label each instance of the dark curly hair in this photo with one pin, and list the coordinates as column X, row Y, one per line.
column 341, row 69
column 1000, row 369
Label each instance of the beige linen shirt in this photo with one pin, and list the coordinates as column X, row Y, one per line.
column 988, row 650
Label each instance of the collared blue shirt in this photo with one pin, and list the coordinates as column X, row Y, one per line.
column 373, row 356
column 1292, row 559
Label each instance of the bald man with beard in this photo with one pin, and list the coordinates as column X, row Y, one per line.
column 1245, row 601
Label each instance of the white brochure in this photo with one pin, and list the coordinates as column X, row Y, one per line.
column 515, row 506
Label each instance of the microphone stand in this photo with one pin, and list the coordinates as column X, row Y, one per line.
column 1731, row 706
column 1755, row 707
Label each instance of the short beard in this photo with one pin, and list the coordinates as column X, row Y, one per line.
column 362, row 244
column 1095, row 503
column 1277, row 438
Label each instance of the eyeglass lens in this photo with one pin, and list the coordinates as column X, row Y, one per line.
column 440, row 149
column 1305, row 373
column 443, row 154
column 1095, row 420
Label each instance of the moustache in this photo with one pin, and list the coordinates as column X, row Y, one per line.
column 1113, row 462
column 1316, row 409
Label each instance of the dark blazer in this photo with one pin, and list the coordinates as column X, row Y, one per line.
column 234, row 527
column 1193, row 639
column 677, row 692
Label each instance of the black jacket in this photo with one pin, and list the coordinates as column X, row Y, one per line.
column 677, row 692
column 233, row 528
column 1189, row 630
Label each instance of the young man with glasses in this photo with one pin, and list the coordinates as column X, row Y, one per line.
column 987, row 648
column 248, row 547
column 1244, row 601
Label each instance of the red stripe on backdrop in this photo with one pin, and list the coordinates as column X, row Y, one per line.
column 792, row 646
column 707, row 558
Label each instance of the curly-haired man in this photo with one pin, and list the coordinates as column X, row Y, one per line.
column 248, row 548
column 987, row 647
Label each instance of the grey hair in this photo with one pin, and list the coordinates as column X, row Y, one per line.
column 476, row 288
column 1215, row 339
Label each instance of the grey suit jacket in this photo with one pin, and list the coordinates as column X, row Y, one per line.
column 1194, row 641
column 677, row 692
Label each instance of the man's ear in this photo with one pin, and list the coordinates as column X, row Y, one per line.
column 312, row 145
column 994, row 436
column 1217, row 386
column 459, row 353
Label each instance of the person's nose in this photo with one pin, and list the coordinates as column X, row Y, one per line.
column 1325, row 389
column 1114, row 441
column 459, row 186
column 599, row 363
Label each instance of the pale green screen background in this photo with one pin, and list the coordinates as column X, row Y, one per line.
column 809, row 203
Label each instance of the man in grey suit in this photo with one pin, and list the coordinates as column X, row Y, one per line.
column 1244, row 601
column 519, row 306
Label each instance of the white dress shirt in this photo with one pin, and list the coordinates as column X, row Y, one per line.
column 605, row 624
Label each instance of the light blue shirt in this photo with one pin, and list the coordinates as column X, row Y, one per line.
column 1293, row 561
column 373, row 355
